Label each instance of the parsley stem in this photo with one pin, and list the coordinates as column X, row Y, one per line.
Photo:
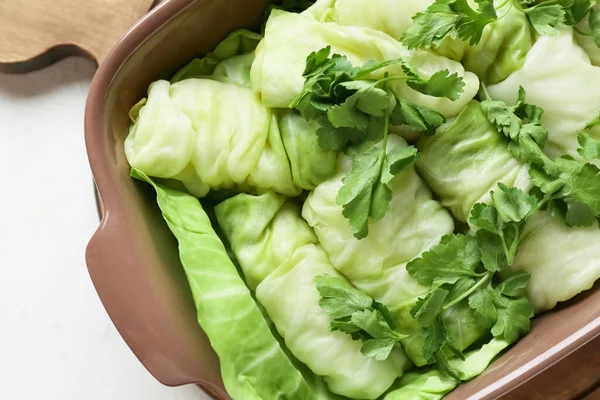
column 504, row 246
column 466, row 294
column 515, row 245
column 485, row 91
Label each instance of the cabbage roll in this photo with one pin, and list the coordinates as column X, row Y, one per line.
column 208, row 135
column 276, row 73
column 559, row 77
column 278, row 252
column 558, row 273
column 464, row 161
column 414, row 223
column 502, row 48
column 377, row 264
column 389, row 16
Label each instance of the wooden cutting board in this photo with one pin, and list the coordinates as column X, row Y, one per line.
column 36, row 33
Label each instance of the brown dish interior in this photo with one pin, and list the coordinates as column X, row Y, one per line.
column 133, row 259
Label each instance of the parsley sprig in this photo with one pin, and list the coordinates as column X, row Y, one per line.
column 456, row 19
column 355, row 313
column 465, row 268
column 354, row 113
column 570, row 188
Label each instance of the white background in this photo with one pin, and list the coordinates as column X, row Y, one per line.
column 56, row 340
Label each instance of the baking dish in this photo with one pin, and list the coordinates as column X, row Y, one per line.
column 133, row 259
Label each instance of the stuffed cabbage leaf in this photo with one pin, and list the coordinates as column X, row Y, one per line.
column 277, row 70
column 279, row 254
column 465, row 160
column 209, row 135
column 559, row 77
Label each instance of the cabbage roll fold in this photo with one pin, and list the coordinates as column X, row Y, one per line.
column 559, row 77
column 277, row 70
column 208, row 135
column 464, row 161
column 279, row 252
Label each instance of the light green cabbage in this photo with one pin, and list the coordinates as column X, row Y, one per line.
column 310, row 164
column 433, row 384
column 209, row 135
column 377, row 263
column 253, row 364
column 282, row 251
column 415, row 222
column 502, row 48
column 277, row 70
column 558, row 272
column 465, row 160
column 389, row 16
column 559, row 77
column 238, row 43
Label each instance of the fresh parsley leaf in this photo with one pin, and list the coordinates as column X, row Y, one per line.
column 449, row 18
column 455, row 257
column 355, row 313
column 416, row 117
column 511, row 317
column 493, row 256
column 590, row 147
column 374, row 323
column 435, row 338
column 442, row 361
column 579, row 10
column 365, row 192
column 440, row 84
column 512, row 204
column 514, row 285
column 339, row 298
column 378, row 349
column 485, row 217
column 427, row 309
column 547, row 17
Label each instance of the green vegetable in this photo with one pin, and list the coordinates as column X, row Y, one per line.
column 208, row 135
column 558, row 77
column 456, row 19
column 355, row 313
column 464, row 267
column 351, row 109
column 275, row 248
column 277, row 71
column 389, row 16
column 556, row 275
column 237, row 43
column 466, row 159
column 226, row 311
column 502, row 48
column 310, row 164
column 566, row 182
column 449, row 18
column 371, row 264
column 433, row 383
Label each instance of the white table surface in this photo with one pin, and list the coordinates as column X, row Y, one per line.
column 56, row 340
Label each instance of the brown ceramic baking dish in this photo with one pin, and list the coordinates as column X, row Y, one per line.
column 133, row 258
